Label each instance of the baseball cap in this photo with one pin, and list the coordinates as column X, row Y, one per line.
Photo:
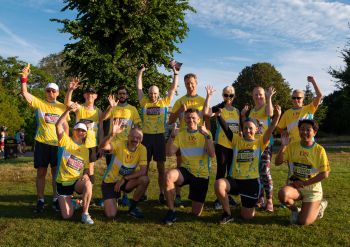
column 52, row 86
column 90, row 90
column 80, row 126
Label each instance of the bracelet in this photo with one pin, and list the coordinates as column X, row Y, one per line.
column 24, row 80
column 176, row 73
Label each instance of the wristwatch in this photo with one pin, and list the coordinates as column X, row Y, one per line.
column 207, row 137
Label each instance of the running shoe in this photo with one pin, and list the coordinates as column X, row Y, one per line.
column 170, row 217
column 323, row 207
column 226, row 218
column 217, row 204
column 136, row 213
column 177, row 201
column 56, row 205
column 86, row 219
column 162, row 198
column 294, row 216
column 39, row 207
column 125, row 200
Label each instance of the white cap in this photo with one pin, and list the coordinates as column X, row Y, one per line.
column 80, row 126
column 52, row 85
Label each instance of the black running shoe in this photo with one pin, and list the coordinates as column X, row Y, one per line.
column 56, row 206
column 226, row 218
column 162, row 198
column 39, row 207
column 170, row 218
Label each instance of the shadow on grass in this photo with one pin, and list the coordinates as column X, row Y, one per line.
column 22, row 206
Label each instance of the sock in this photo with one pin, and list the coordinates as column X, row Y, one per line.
column 41, row 199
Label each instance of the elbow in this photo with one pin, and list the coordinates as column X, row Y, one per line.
column 326, row 174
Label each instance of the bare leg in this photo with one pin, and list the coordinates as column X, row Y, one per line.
column 173, row 177
column 309, row 212
column 66, row 206
column 85, row 187
column 110, row 207
column 222, row 187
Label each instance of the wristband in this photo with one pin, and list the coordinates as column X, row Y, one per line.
column 176, row 73
column 24, row 80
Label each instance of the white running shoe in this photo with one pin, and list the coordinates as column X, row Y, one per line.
column 323, row 207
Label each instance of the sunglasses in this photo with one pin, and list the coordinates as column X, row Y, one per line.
column 297, row 97
column 50, row 90
column 229, row 95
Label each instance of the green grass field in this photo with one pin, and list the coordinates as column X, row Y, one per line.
column 19, row 227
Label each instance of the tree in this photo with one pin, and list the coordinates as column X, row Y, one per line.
column 264, row 75
column 112, row 38
column 338, row 102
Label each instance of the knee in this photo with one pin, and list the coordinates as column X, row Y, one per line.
column 67, row 215
column 144, row 180
column 170, row 178
column 110, row 214
column 220, row 186
column 88, row 186
column 41, row 173
column 282, row 195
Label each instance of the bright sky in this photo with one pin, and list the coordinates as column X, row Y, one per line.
column 299, row 37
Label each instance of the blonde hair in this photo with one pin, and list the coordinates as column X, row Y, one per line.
column 298, row 91
column 228, row 88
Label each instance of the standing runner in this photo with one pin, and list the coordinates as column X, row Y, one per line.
column 154, row 117
column 47, row 113
column 291, row 117
column 90, row 115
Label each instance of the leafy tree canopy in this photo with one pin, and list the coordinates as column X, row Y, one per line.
column 263, row 75
column 111, row 38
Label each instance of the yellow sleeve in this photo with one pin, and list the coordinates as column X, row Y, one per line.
column 136, row 117
column 311, row 108
column 143, row 156
column 282, row 123
column 176, row 141
column 143, row 101
column 176, row 106
column 235, row 139
column 323, row 162
column 65, row 140
column 36, row 102
column 262, row 144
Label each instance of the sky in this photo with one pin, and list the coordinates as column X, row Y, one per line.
column 299, row 37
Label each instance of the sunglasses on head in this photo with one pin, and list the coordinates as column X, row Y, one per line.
column 297, row 97
column 229, row 95
column 50, row 90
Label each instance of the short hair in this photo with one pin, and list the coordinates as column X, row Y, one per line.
column 122, row 88
column 229, row 88
column 151, row 87
column 192, row 110
column 249, row 119
column 190, row 75
column 298, row 91
column 137, row 129
column 312, row 122
column 258, row 87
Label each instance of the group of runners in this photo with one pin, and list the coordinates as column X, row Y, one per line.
column 242, row 146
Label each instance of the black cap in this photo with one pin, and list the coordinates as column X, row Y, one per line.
column 90, row 90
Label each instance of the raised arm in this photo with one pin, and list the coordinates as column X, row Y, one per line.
column 61, row 124
column 276, row 116
column 116, row 129
column 112, row 103
column 24, row 79
column 284, row 142
column 269, row 107
column 206, row 108
column 244, row 112
column 317, row 100
column 209, row 145
column 171, row 149
column 173, row 86
column 73, row 84
column 139, row 82
column 174, row 115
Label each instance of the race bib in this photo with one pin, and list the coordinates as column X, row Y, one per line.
column 302, row 170
column 234, row 127
column 123, row 170
column 153, row 111
column 245, row 155
column 51, row 118
column 75, row 163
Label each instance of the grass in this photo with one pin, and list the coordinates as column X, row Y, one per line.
column 19, row 227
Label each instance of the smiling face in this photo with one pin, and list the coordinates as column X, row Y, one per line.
column 134, row 138
column 191, row 86
column 122, row 95
column 51, row 94
column 259, row 96
column 298, row 98
column 90, row 97
column 307, row 133
column 192, row 120
column 153, row 94
column 228, row 94
column 79, row 135
column 249, row 130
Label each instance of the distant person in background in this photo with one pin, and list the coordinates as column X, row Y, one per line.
column 262, row 112
column 3, row 135
column 73, row 168
column 22, row 139
column 47, row 112
column 308, row 166
column 154, row 117
column 89, row 114
column 223, row 147
column 290, row 118
column 18, row 141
